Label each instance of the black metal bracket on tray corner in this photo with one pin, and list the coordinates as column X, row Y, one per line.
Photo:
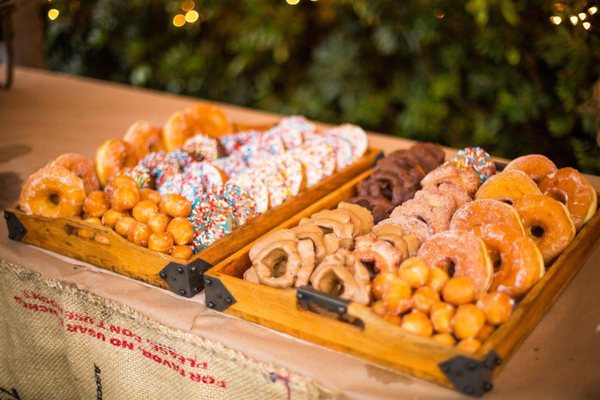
column 217, row 296
column 16, row 230
column 470, row 376
column 185, row 280
column 325, row 304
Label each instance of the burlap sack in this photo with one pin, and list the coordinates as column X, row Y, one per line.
column 58, row 342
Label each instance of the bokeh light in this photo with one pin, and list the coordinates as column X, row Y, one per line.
column 292, row 2
column 179, row 20
column 188, row 5
column 53, row 13
column 191, row 16
column 556, row 20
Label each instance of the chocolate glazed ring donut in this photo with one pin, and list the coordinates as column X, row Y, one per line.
column 379, row 206
column 406, row 161
column 393, row 186
column 431, row 149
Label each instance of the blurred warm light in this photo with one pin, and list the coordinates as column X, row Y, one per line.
column 292, row 2
column 191, row 16
column 587, row 26
column 556, row 20
column 582, row 16
column 439, row 14
column 574, row 19
column 592, row 10
column 53, row 13
column 188, row 5
column 559, row 6
column 179, row 20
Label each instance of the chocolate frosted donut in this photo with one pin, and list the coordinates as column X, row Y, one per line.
column 379, row 206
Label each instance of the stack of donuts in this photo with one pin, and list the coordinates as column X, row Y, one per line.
column 396, row 178
column 224, row 179
column 451, row 262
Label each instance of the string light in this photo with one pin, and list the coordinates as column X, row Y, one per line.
column 592, row 10
column 556, row 20
column 573, row 19
column 53, row 13
column 191, row 16
column 188, row 5
column 292, row 2
column 559, row 6
column 439, row 14
column 179, row 20
column 582, row 16
column 587, row 26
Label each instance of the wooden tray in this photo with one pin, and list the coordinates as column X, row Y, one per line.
column 356, row 330
column 117, row 254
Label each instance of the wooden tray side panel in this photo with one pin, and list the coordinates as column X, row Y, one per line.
column 117, row 254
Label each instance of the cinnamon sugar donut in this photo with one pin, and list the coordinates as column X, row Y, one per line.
column 80, row 166
column 144, row 138
column 411, row 225
column 480, row 213
column 462, row 252
column 465, row 177
column 53, row 192
column 572, row 189
column 547, row 222
column 386, row 257
column 536, row 166
column 508, row 186
column 112, row 156
column 432, row 207
column 454, row 190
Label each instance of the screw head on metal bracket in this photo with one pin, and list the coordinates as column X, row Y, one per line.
column 163, row 275
column 182, row 292
column 228, row 300
column 180, row 270
column 207, row 281
column 211, row 304
column 11, row 236
column 487, row 386
column 6, row 216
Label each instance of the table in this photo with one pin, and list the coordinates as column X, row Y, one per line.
column 46, row 114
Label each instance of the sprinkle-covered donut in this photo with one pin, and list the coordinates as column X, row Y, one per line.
column 477, row 159
column 213, row 218
column 202, row 147
column 244, row 207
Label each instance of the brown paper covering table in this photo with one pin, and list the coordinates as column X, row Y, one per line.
column 46, row 114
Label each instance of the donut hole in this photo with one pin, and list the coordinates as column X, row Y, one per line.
column 370, row 266
column 507, row 201
column 537, row 231
column 54, row 198
column 558, row 195
column 496, row 260
column 451, row 268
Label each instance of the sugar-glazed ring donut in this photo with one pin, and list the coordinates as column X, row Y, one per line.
column 536, row 166
column 53, row 192
column 480, row 213
column 572, row 189
column 410, row 225
column 144, row 137
column 547, row 222
column 433, row 208
column 459, row 253
column 112, row 156
column 465, row 177
column 517, row 260
column 211, row 118
column 384, row 256
column 80, row 166
column 455, row 191
column 508, row 186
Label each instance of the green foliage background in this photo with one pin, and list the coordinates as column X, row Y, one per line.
column 493, row 73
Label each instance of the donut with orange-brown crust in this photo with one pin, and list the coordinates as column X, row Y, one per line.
column 144, row 138
column 537, row 166
column 112, row 156
column 80, row 166
column 507, row 186
column 571, row 188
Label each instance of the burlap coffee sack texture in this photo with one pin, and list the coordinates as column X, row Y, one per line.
column 58, row 342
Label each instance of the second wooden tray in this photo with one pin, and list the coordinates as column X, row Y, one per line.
column 354, row 329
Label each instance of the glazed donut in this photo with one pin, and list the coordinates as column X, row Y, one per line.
column 310, row 231
column 112, row 156
column 278, row 263
column 211, row 118
column 547, row 222
column 454, row 190
column 572, row 189
column 342, row 274
column 53, row 192
column 478, row 214
column 536, row 166
column 96, row 204
column 465, row 177
column 179, row 128
column 384, row 256
column 80, row 166
column 518, row 263
column 144, row 138
column 411, row 225
column 462, row 252
column 508, row 186
column 307, row 255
